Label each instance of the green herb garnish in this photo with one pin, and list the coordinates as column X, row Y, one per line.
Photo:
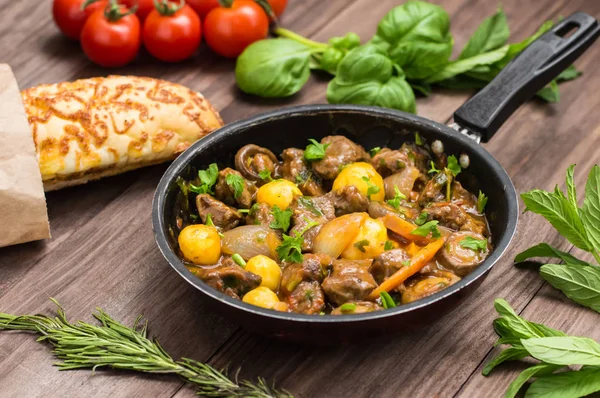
column 395, row 201
column 418, row 139
column 208, row 178
column 306, row 202
column 265, row 175
column 372, row 188
column 236, row 183
column 360, row 245
column 389, row 245
column 453, row 165
column 474, row 244
column 348, row 307
column 375, row 151
column 282, row 218
column 290, row 248
column 315, row 150
column 386, row 300
column 239, row 260
column 427, row 228
column 209, row 220
column 406, row 263
column 422, row 218
column 432, row 169
column 481, row 202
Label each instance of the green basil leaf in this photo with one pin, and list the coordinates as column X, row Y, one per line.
column 550, row 93
column 564, row 350
column 509, row 354
column 579, row 283
column 568, row 74
column 491, row 34
column 348, row 42
column 559, row 212
column 516, row 327
column 590, row 212
column 545, row 250
column 461, row 66
column 573, row 384
column 527, row 374
column 273, row 67
column 571, row 191
column 330, row 60
column 416, row 36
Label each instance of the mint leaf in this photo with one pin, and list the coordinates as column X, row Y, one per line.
column 527, row 374
column 490, row 34
column 571, row 192
column 460, row 66
column 590, row 212
column 550, row 93
column 564, row 350
column 573, row 384
column 517, row 327
column 568, row 74
column 559, row 212
column 545, row 250
column 579, row 283
column 509, row 354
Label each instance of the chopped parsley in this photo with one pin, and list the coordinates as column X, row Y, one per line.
column 208, row 178
column 348, row 307
column 418, row 139
column 481, row 202
column 290, row 248
column 306, row 202
column 474, row 244
column 209, row 220
column 315, row 150
column 375, row 151
column 453, row 165
column 398, row 196
column 428, row 227
column 360, row 245
column 236, row 183
column 389, row 245
column 372, row 188
column 309, row 295
column 282, row 218
column 406, row 263
column 386, row 300
column 422, row 218
column 239, row 260
column 265, row 175
column 244, row 211
column 432, row 170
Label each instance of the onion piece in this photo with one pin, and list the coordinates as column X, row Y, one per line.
column 404, row 180
column 249, row 241
column 338, row 233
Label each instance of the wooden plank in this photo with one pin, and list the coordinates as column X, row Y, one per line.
column 436, row 361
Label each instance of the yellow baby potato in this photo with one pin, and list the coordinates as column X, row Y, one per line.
column 200, row 244
column 262, row 297
column 369, row 243
column 268, row 269
column 364, row 177
column 278, row 192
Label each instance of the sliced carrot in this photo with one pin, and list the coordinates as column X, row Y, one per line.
column 419, row 260
column 412, row 249
column 403, row 228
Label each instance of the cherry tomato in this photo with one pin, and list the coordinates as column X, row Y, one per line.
column 111, row 37
column 70, row 18
column 202, row 7
column 229, row 30
column 145, row 7
column 172, row 37
column 278, row 6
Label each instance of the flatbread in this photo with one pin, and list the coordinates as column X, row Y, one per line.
column 92, row 128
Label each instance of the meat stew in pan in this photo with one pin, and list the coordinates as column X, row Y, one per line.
column 333, row 228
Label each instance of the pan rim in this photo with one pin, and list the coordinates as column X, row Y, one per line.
column 178, row 166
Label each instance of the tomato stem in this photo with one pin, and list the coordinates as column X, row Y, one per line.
column 300, row 39
column 225, row 3
column 168, row 8
column 86, row 3
column 268, row 10
column 113, row 12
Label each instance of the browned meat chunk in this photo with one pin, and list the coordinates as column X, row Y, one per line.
column 294, row 169
column 252, row 159
column 454, row 217
column 348, row 200
column 389, row 161
column 313, row 268
column 310, row 210
column 222, row 216
column 387, row 263
column 460, row 257
column 340, row 152
column 427, row 284
column 356, row 307
column 260, row 214
column 228, row 277
column 463, row 198
column 307, row 298
column 435, row 190
column 380, row 209
column 227, row 191
column 350, row 280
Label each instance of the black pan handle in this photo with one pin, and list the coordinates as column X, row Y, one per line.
column 525, row 75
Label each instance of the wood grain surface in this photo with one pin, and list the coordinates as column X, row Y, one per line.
column 102, row 252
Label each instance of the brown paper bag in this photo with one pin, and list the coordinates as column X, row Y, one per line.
column 23, row 214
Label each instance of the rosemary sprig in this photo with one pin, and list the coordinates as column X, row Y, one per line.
column 114, row 345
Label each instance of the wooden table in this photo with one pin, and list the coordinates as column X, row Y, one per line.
column 102, row 252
